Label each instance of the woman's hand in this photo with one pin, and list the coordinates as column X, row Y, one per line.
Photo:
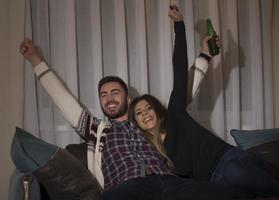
column 175, row 14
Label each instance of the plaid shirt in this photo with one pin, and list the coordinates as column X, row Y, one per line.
column 126, row 153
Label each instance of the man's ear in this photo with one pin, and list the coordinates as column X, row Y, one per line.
column 129, row 100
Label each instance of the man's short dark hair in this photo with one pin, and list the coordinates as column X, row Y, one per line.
column 108, row 79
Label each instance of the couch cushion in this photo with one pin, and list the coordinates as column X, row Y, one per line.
column 61, row 174
column 79, row 151
column 65, row 177
column 246, row 139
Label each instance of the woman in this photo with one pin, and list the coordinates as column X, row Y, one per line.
column 193, row 150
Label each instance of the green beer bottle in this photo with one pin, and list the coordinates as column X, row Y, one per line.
column 213, row 48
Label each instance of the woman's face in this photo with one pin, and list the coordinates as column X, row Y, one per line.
column 145, row 116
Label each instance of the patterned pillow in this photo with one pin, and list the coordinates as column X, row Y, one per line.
column 61, row 174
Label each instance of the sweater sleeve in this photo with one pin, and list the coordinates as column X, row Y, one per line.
column 65, row 101
column 195, row 77
column 178, row 98
column 201, row 66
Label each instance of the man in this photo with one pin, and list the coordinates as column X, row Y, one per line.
column 122, row 160
column 114, row 100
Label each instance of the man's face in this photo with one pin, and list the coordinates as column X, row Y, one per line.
column 114, row 101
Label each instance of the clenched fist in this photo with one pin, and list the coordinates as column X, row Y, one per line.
column 29, row 52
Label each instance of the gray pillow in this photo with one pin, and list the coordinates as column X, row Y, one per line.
column 28, row 152
column 246, row 139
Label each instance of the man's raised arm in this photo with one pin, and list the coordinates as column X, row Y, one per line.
column 61, row 96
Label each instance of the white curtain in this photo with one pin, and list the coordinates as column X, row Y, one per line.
column 88, row 39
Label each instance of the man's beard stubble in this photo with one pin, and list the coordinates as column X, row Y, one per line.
column 122, row 111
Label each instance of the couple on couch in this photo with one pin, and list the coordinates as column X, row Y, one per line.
column 146, row 156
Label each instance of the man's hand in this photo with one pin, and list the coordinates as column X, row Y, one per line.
column 175, row 14
column 205, row 48
column 29, row 52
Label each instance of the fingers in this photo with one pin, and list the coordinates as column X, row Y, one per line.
column 29, row 52
column 174, row 10
column 174, row 13
column 205, row 48
column 218, row 41
column 174, row 7
column 27, row 42
column 25, row 45
column 22, row 50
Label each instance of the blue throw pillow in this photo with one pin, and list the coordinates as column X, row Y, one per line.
column 30, row 153
column 246, row 139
